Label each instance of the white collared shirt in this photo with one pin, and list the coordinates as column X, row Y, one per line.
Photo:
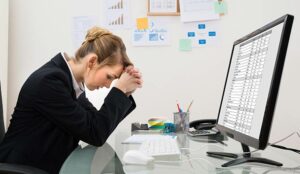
column 78, row 87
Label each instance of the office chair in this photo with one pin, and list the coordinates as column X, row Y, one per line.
column 6, row 168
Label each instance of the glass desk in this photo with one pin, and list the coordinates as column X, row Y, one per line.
column 108, row 159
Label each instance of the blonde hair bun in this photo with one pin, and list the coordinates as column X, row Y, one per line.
column 96, row 32
column 109, row 48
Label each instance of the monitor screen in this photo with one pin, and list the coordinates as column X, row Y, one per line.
column 252, row 83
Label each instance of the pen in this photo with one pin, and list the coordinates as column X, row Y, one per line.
column 188, row 110
column 179, row 110
column 221, row 142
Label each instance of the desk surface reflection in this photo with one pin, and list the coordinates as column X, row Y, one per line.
column 107, row 159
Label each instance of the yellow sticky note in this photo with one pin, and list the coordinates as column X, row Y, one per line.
column 142, row 23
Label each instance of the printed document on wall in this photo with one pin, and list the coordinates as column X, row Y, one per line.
column 163, row 6
column 116, row 14
column 202, row 33
column 198, row 10
column 80, row 25
column 157, row 33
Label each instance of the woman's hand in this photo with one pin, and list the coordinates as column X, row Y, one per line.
column 137, row 74
column 130, row 80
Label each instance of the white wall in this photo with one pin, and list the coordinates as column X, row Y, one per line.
column 4, row 52
column 40, row 29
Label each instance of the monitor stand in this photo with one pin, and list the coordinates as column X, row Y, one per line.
column 246, row 158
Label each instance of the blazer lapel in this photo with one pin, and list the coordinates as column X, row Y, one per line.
column 61, row 63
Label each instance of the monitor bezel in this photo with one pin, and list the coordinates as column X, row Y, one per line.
column 2, row 127
column 262, row 141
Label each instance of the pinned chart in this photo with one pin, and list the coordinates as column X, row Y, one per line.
column 117, row 5
column 201, row 34
column 150, row 32
column 117, row 14
column 118, row 21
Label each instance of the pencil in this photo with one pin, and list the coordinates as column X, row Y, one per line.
column 188, row 110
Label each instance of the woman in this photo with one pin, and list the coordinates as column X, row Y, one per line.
column 52, row 112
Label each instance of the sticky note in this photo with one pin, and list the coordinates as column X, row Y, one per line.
column 191, row 34
column 142, row 23
column 212, row 33
column 202, row 42
column 156, row 123
column 185, row 45
column 201, row 26
column 220, row 7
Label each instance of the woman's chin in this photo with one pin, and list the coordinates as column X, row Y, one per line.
column 91, row 88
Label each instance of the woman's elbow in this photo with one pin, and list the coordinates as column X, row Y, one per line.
column 98, row 142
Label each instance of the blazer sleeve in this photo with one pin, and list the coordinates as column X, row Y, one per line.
column 80, row 118
column 84, row 102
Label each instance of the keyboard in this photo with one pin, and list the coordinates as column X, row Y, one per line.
column 165, row 148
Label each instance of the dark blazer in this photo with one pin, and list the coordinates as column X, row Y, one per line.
column 48, row 120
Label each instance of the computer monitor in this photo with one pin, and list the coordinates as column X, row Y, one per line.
column 2, row 130
column 251, row 87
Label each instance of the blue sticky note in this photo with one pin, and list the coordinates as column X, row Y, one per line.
column 201, row 26
column 212, row 33
column 202, row 42
column 191, row 34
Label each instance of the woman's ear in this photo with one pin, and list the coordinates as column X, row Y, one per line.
column 92, row 60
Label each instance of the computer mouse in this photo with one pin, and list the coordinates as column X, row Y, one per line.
column 137, row 157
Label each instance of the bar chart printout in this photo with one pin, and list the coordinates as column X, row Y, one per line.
column 117, row 14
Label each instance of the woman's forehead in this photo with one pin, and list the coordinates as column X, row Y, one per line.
column 115, row 70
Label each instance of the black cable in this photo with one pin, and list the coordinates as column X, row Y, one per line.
column 286, row 148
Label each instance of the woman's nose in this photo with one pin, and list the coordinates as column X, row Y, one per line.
column 108, row 83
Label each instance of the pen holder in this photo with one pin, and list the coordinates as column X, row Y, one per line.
column 181, row 121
